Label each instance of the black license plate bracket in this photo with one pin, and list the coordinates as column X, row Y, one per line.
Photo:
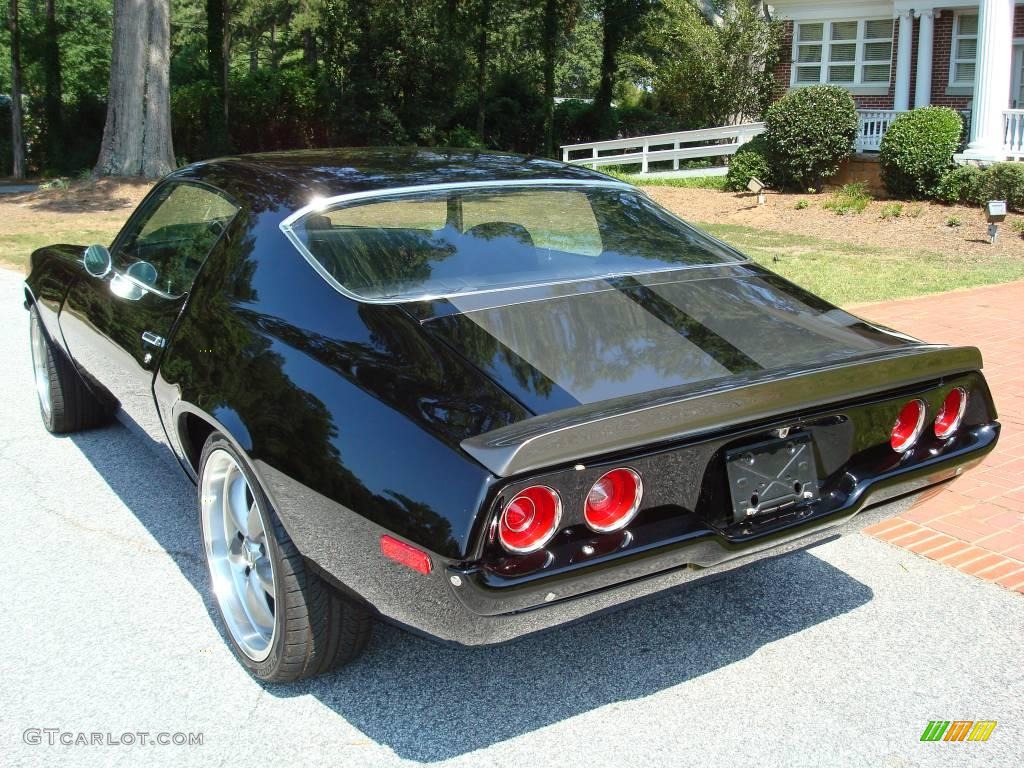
column 772, row 476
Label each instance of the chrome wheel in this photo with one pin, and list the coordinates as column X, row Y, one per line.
column 40, row 367
column 238, row 552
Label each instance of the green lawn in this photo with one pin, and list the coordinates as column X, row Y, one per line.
column 844, row 273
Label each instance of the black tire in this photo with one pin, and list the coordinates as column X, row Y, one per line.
column 317, row 629
column 65, row 403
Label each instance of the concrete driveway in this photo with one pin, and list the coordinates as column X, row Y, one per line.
column 839, row 655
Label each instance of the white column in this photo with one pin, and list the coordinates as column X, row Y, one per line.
column 991, row 79
column 925, row 44
column 901, row 96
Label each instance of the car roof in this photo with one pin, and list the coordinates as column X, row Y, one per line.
column 289, row 180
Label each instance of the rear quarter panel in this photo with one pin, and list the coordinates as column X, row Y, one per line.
column 350, row 401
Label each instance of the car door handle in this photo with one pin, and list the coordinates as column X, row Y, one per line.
column 148, row 337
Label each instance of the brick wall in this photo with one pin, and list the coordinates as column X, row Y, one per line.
column 940, row 64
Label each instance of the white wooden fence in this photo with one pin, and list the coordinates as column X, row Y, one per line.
column 682, row 145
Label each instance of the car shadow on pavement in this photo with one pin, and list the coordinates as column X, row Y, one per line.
column 430, row 702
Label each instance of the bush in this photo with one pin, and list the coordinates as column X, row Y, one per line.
column 917, row 151
column 851, row 198
column 891, row 211
column 962, row 184
column 953, row 221
column 801, row 204
column 810, row 131
column 751, row 160
column 1003, row 181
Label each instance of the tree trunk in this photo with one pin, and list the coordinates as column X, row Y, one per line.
column 254, row 50
column 481, row 72
column 51, row 65
column 137, row 135
column 550, row 48
column 217, row 124
column 611, row 39
column 17, row 121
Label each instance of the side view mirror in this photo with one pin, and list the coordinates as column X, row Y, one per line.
column 97, row 260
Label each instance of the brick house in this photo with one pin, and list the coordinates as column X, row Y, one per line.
column 895, row 55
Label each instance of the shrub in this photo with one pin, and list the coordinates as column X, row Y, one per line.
column 953, row 221
column 917, row 151
column 915, row 211
column 809, row 132
column 1003, row 181
column 801, row 204
column 751, row 160
column 892, row 211
column 1017, row 225
column 851, row 198
column 962, row 184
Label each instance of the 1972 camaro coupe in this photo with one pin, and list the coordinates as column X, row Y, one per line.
column 476, row 394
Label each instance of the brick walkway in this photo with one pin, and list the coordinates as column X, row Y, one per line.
column 976, row 522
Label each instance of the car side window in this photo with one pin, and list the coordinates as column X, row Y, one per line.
column 165, row 246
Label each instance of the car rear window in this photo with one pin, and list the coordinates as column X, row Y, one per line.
column 440, row 243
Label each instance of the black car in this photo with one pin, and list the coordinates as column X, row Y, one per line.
column 476, row 394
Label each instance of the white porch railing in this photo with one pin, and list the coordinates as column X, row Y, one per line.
column 663, row 146
column 1013, row 133
column 871, row 127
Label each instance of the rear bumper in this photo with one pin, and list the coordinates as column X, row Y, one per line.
column 693, row 556
column 461, row 605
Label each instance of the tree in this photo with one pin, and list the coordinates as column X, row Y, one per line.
column 217, row 63
column 17, row 119
column 483, row 24
column 137, row 134
column 559, row 19
column 620, row 20
column 52, row 98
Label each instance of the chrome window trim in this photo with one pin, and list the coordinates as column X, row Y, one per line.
column 321, row 204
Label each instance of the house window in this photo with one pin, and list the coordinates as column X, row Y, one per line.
column 851, row 53
column 965, row 49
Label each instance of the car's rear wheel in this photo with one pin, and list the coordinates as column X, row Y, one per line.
column 65, row 403
column 281, row 620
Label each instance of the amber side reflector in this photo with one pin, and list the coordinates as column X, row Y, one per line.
column 406, row 554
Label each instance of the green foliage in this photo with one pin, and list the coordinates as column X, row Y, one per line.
column 850, row 198
column 915, row 211
column 1017, row 225
column 1004, row 181
column 953, row 221
column 891, row 211
column 917, row 151
column 801, row 204
column 971, row 185
column 750, row 161
column 961, row 184
column 810, row 131
column 703, row 74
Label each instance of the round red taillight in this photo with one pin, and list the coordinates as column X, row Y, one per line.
column 613, row 500
column 530, row 519
column 951, row 413
column 908, row 426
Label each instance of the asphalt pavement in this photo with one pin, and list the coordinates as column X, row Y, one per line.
column 837, row 655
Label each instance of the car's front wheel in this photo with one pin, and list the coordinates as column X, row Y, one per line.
column 282, row 621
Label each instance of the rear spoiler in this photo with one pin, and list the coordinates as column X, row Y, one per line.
column 688, row 411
